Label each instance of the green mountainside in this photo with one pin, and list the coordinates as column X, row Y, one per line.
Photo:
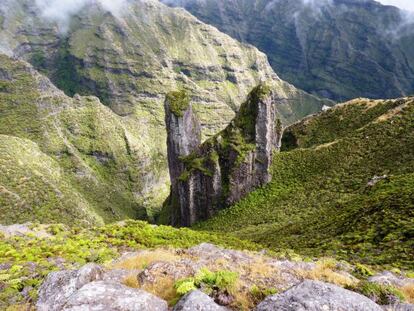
column 131, row 61
column 83, row 156
column 340, row 49
column 64, row 160
column 343, row 185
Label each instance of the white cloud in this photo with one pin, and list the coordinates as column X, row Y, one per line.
column 60, row 11
column 403, row 4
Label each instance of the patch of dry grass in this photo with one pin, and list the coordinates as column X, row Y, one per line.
column 408, row 291
column 145, row 258
column 132, row 281
column 163, row 287
column 325, row 270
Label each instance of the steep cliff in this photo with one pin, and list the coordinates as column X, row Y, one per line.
column 132, row 59
column 209, row 177
column 340, row 49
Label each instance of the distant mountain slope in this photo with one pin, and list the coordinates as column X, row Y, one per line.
column 345, row 188
column 341, row 49
column 62, row 159
column 131, row 61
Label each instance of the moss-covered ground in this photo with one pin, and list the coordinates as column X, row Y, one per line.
column 321, row 201
column 30, row 258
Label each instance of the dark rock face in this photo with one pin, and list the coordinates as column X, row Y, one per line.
column 218, row 173
column 184, row 136
column 317, row 296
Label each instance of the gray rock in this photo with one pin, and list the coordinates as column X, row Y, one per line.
column 23, row 230
column 59, row 286
column 389, row 278
column 317, row 296
column 399, row 307
column 197, row 301
column 183, row 137
column 174, row 270
column 376, row 179
column 110, row 296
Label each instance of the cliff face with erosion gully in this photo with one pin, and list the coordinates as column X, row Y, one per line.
column 214, row 175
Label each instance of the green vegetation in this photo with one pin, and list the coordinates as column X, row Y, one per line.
column 339, row 63
column 247, row 115
column 178, row 101
column 31, row 257
column 259, row 294
column 68, row 160
column 221, row 280
column 321, row 201
column 382, row 294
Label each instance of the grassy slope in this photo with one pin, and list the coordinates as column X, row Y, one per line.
column 71, row 155
column 319, row 202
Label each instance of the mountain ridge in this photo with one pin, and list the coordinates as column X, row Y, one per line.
column 131, row 62
column 338, row 49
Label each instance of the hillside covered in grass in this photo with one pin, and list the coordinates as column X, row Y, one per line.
column 62, row 159
column 343, row 185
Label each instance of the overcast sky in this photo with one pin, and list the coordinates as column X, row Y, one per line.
column 404, row 4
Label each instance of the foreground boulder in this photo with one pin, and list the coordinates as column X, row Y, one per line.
column 59, row 286
column 197, row 300
column 317, row 296
column 107, row 296
column 88, row 289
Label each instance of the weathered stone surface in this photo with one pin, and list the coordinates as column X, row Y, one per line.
column 317, row 296
column 23, row 230
column 59, row 286
column 183, row 137
column 174, row 270
column 389, row 278
column 107, row 296
column 225, row 168
column 197, row 300
column 399, row 307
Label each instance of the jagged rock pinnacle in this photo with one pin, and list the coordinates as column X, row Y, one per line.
column 208, row 177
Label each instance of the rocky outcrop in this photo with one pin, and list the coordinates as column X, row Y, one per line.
column 59, row 286
column 93, row 287
column 103, row 295
column 184, row 136
column 89, row 289
column 218, row 173
column 317, row 296
column 197, row 300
